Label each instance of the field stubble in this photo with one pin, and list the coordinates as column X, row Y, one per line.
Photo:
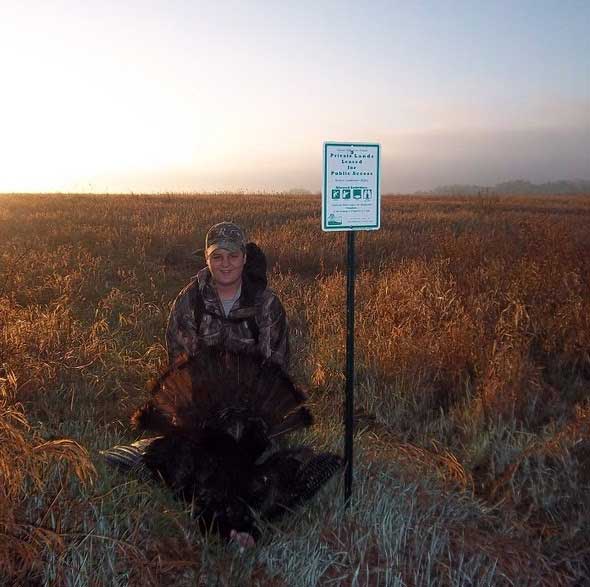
column 473, row 372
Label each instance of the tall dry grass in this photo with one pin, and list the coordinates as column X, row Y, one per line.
column 473, row 372
column 34, row 476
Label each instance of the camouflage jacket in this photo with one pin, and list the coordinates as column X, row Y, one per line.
column 231, row 332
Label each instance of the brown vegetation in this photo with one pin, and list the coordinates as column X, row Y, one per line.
column 473, row 373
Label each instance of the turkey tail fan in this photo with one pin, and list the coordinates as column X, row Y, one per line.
column 150, row 417
column 278, row 398
column 276, row 391
column 172, row 397
column 218, row 388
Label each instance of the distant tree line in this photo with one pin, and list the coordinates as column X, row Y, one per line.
column 519, row 186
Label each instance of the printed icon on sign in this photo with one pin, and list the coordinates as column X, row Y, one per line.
column 367, row 194
column 346, row 193
column 336, row 194
column 356, row 193
column 333, row 221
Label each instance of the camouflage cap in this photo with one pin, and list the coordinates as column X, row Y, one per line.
column 225, row 235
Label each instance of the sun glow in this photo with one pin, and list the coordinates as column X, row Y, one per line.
column 76, row 120
column 59, row 137
column 185, row 96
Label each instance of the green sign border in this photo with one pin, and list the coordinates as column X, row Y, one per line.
column 376, row 226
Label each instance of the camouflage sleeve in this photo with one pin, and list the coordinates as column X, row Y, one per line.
column 181, row 332
column 273, row 341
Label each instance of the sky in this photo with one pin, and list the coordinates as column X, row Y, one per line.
column 178, row 95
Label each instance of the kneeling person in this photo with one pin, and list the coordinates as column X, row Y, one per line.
column 228, row 303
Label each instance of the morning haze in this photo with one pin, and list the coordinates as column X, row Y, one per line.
column 181, row 96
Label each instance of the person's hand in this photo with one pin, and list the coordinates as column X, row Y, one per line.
column 242, row 539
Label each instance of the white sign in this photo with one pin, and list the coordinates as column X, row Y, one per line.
column 351, row 190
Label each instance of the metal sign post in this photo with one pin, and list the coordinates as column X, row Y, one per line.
column 349, row 391
column 351, row 201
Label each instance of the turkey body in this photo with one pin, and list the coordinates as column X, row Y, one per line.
column 218, row 417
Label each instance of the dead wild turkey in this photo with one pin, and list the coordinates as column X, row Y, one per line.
column 217, row 417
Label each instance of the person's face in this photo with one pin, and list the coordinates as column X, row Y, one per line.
column 226, row 266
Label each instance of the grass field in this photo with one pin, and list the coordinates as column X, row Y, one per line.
column 472, row 395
